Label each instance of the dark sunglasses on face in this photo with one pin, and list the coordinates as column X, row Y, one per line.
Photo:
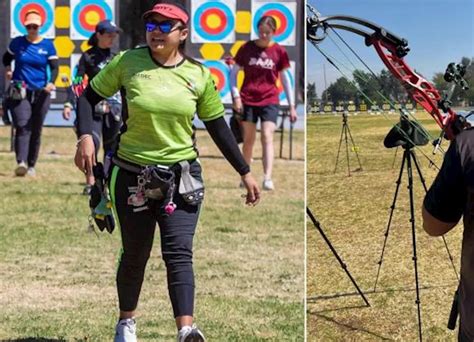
column 32, row 27
column 164, row 26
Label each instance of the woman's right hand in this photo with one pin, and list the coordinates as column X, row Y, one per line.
column 237, row 105
column 253, row 191
column 85, row 157
column 67, row 113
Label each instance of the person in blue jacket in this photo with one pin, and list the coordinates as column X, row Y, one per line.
column 29, row 93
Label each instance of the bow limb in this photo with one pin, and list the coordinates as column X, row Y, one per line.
column 419, row 89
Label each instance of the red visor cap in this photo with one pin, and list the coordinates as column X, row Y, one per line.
column 168, row 11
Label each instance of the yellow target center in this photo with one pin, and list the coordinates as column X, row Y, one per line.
column 278, row 21
column 213, row 21
column 92, row 18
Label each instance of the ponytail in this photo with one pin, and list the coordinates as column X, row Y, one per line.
column 93, row 40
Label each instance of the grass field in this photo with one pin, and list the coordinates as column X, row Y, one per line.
column 354, row 213
column 57, row 280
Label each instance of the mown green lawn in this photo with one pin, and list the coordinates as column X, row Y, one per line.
column 354, row 212
column 57, row 279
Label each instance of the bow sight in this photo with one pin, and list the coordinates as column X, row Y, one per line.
column 456, row 72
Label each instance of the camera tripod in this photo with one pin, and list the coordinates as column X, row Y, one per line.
column 345, row 131
column 343, row 265
column 406, row 134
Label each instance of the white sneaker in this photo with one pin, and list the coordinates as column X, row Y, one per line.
column 190, row 334
column 126, row 331
column 268, row 185
column 21, row 169
column 31, row 172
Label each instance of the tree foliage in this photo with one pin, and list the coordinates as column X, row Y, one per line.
column 384, row 86
column 311, row 95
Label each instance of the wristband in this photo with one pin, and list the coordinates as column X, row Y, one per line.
column 81, row 138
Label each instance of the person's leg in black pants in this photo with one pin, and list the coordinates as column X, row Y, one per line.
column 21, row 115
column 22, row 120
column 137, row 226
column 40, row 108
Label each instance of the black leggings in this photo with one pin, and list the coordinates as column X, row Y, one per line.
column 28, row 117
column 137, row 226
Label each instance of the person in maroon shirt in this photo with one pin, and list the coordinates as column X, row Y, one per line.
column 262, row 60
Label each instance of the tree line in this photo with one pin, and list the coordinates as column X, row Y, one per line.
column 384, row 87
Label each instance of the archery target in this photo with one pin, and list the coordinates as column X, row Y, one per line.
column 18, row 10
column 75, row 57
column 220, row 72
column 86, row 14
column 213, row 21
column 291, row 73
column 285, row 16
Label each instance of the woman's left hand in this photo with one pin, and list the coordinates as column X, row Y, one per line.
column 50, row 87
column 253, row 191
column 293, row 115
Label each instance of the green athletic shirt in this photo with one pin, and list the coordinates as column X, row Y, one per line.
column 161, row 102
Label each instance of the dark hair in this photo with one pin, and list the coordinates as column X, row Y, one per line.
column 93, row 40
column 269, row 21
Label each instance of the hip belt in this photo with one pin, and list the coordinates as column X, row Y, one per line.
column 158, row 182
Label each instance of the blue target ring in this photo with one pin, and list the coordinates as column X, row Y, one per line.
column 286, row 13
column 201, row 11
column 292, row 81
column 83, row 5
column 17, row 20
column 222, row 71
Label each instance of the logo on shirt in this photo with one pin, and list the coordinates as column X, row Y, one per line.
column 42, row 51
column 265, row 63
column 142, row 76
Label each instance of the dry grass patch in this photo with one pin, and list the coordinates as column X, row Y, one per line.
column 58, row 280
column 354, row 213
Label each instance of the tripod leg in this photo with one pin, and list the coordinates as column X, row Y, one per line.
column 450, row 256
column 354, row 147
column 339, row 148
column 344, row 266
column 347, row 150
column 413, row 234
column 394, row 157
column 392, row 209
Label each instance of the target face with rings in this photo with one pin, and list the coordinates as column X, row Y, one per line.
column 213, row 21
column 18, row 9
column 86, row 14
column 284, row 14
column 220, row 73
column 291, row 74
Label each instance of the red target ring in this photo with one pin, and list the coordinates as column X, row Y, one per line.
column 220, row 14
column 220, row 78
column 33, row 7
column 88, row 9
column 279, row 17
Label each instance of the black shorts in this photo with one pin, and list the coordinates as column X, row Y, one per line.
column 265, row 113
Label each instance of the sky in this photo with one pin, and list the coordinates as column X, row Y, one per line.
column 438, row 32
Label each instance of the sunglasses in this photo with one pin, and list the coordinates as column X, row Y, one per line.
column 164, row 26
column 32, row 27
